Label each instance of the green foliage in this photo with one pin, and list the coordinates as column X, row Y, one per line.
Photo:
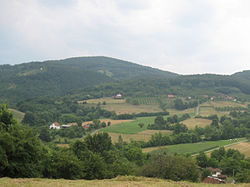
column 206, row 172
column 202, row 160
column 171, row 167
column 99, row 142
column 21, row 151
column 63, row 163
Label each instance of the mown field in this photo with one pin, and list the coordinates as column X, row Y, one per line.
column 120, row 181
column 107, row 100
column 243, row 147
column 141, row 136
column 130, row 127
column 192, row 148
column 192, row 122
column 126, row 108
column 227, row 104
column 113, row 122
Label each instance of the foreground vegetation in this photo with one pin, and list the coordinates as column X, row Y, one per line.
column 95, row 157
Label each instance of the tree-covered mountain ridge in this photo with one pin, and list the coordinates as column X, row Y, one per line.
column 60, row 77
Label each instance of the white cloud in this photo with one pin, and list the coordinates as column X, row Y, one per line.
column 184, row 36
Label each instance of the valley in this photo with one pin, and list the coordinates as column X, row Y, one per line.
column 100, row 117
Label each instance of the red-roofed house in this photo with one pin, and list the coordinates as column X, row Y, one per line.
column 55, row 125
column 118, row 96
column 170, row 96
column 213, row 180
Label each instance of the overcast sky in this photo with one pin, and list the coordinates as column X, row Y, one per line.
column 182, row 36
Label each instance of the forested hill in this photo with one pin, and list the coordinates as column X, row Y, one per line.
column 59, row 77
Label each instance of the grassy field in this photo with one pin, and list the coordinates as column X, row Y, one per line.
column 17, row 114
column 192, row 148
column 108, row 100
column 243, row 147
column 141, row 136
column 113, row 122
column 189, row 111
column 130, row 127
column 192, row 122
column 227, row 104
column 126, row 108
column 120, row 181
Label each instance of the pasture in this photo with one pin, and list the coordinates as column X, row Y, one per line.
column 126, row 108
column 192, row 148
column 108, row 100
column 119, row 181
column 243, row 147
column 141, row 136
column 227, row 104
column 130, row 127
column 192, row 122
column 113, row 122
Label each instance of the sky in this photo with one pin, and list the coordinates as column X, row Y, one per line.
column 181, row 36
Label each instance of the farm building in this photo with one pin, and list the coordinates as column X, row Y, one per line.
column 216, row 178
column 118, row 96
column 55, row 125
column 213, row 180
column 170, row 96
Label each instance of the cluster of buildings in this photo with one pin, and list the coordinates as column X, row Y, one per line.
column 57, row 126
column 216, row 177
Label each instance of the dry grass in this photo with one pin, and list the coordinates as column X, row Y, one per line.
column 108, row 100
column 192, row 122
column 120, row 181
column 243, row 147
column 126, row 108
column 149, row 149
column 141, row 136
column 227, row 104
column 63, row 145
column 206, row 111
column 113, row 122
column 187, row 111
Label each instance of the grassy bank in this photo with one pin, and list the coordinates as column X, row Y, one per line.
column 119, row 181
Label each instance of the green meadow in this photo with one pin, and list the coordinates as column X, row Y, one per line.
column 130, row 127
column 192, row 148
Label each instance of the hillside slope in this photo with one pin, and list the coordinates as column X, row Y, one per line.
column 59, row 77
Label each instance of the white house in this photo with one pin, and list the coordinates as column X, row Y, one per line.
column 55, row 125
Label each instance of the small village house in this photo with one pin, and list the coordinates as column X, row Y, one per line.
column 170, row 96
column 55, row 125
column 118, row 96
column 216, row 178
